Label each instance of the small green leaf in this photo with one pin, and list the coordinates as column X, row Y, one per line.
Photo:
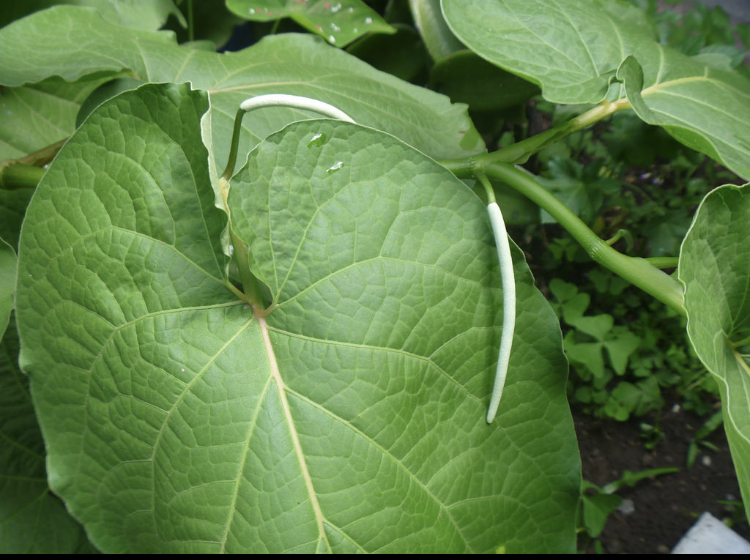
column 596, row 326
column 620, row 347
column 714, row 266
column 338, row 21
column 596, row 511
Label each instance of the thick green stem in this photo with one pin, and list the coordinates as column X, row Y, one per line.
column 522, row 151
column 234, row 146
column 637, row 271
column 26, row 172
column 663, row 262
column 19, row 176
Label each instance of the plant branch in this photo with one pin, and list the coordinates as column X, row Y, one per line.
column 522, row 151
column 19, row 176
column 26, row 172
column 635, row 270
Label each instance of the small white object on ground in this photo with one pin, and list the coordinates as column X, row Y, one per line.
column 711, row 536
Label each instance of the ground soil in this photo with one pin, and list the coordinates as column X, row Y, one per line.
column 667, row 506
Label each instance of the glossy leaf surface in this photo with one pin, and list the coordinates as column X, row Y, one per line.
column 348, row 418
column 574, row 48
column 338, row 21
column 715, row 269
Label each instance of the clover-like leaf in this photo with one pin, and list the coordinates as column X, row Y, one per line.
column 347, row 417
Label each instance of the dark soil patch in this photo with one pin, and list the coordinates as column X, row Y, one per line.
column 667, row 506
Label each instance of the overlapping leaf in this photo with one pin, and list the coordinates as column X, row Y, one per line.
column 139, row 14
column 351, row 416
column 715, row 268
column 31, row 519
column 338, row 21
column 574, row 48
column 73, row 42
column 437, row 36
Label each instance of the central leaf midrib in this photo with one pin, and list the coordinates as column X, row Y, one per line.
column 390, row 455
column 281, row 387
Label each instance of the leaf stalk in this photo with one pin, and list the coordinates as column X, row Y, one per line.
column 637, row 271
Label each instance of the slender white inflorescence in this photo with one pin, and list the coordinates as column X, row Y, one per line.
column 509, row 306
column 496, row 219
column 295, row 101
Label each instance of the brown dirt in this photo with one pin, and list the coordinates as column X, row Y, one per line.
column 667, row 506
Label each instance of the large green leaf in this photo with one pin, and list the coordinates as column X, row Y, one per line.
column 574, row 48
column 72, row 42
column 348, row 418
column 38, row 115
column 715, row 269
column 339, row 21
column 139, row 14
column 31, row 519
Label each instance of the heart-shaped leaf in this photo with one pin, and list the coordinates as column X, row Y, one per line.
column 349, row 416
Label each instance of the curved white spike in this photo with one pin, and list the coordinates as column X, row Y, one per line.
column 509, row 306
column 295, row 101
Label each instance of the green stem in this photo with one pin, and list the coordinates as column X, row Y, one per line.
column 635, row 270
column 234, row 146
column 20, row 176
column 663, row 262
column 522, row 151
